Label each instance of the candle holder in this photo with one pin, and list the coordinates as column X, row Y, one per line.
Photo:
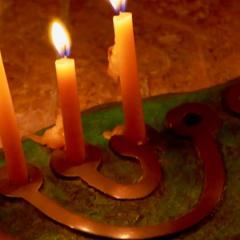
column 88, row 171
column 194, row 122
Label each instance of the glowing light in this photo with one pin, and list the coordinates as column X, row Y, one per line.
column 60, row 38
column 119, row 5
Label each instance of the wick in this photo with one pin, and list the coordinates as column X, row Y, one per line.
column 65, row 52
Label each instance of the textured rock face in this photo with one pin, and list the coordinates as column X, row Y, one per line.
column 182, row 45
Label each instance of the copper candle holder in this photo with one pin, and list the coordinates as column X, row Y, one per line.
column 89, row 173
column 195, row 121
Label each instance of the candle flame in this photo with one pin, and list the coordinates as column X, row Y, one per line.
column 119, row 5
column 60, row 38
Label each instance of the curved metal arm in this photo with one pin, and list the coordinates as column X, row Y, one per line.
column 207, row 149
column 89, row 173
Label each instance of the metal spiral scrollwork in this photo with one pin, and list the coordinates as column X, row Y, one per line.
column 89, row 173
column 194, row 120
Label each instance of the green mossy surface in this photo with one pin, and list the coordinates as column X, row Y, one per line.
column 178, row 193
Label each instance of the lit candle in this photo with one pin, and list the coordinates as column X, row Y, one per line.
column 11, row 141
column 134, row 127
column 67, row 86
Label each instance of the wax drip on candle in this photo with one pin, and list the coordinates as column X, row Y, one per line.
column 113, row 66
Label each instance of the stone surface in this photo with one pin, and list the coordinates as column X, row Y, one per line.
column 182, row 45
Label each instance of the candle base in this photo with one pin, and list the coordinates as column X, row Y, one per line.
column 89, row 173
column 8, row 189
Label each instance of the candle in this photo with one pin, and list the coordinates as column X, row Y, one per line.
column 15, row 161
column 67, row 86
column 134, row 127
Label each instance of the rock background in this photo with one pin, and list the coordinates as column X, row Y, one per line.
column 182, row 45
